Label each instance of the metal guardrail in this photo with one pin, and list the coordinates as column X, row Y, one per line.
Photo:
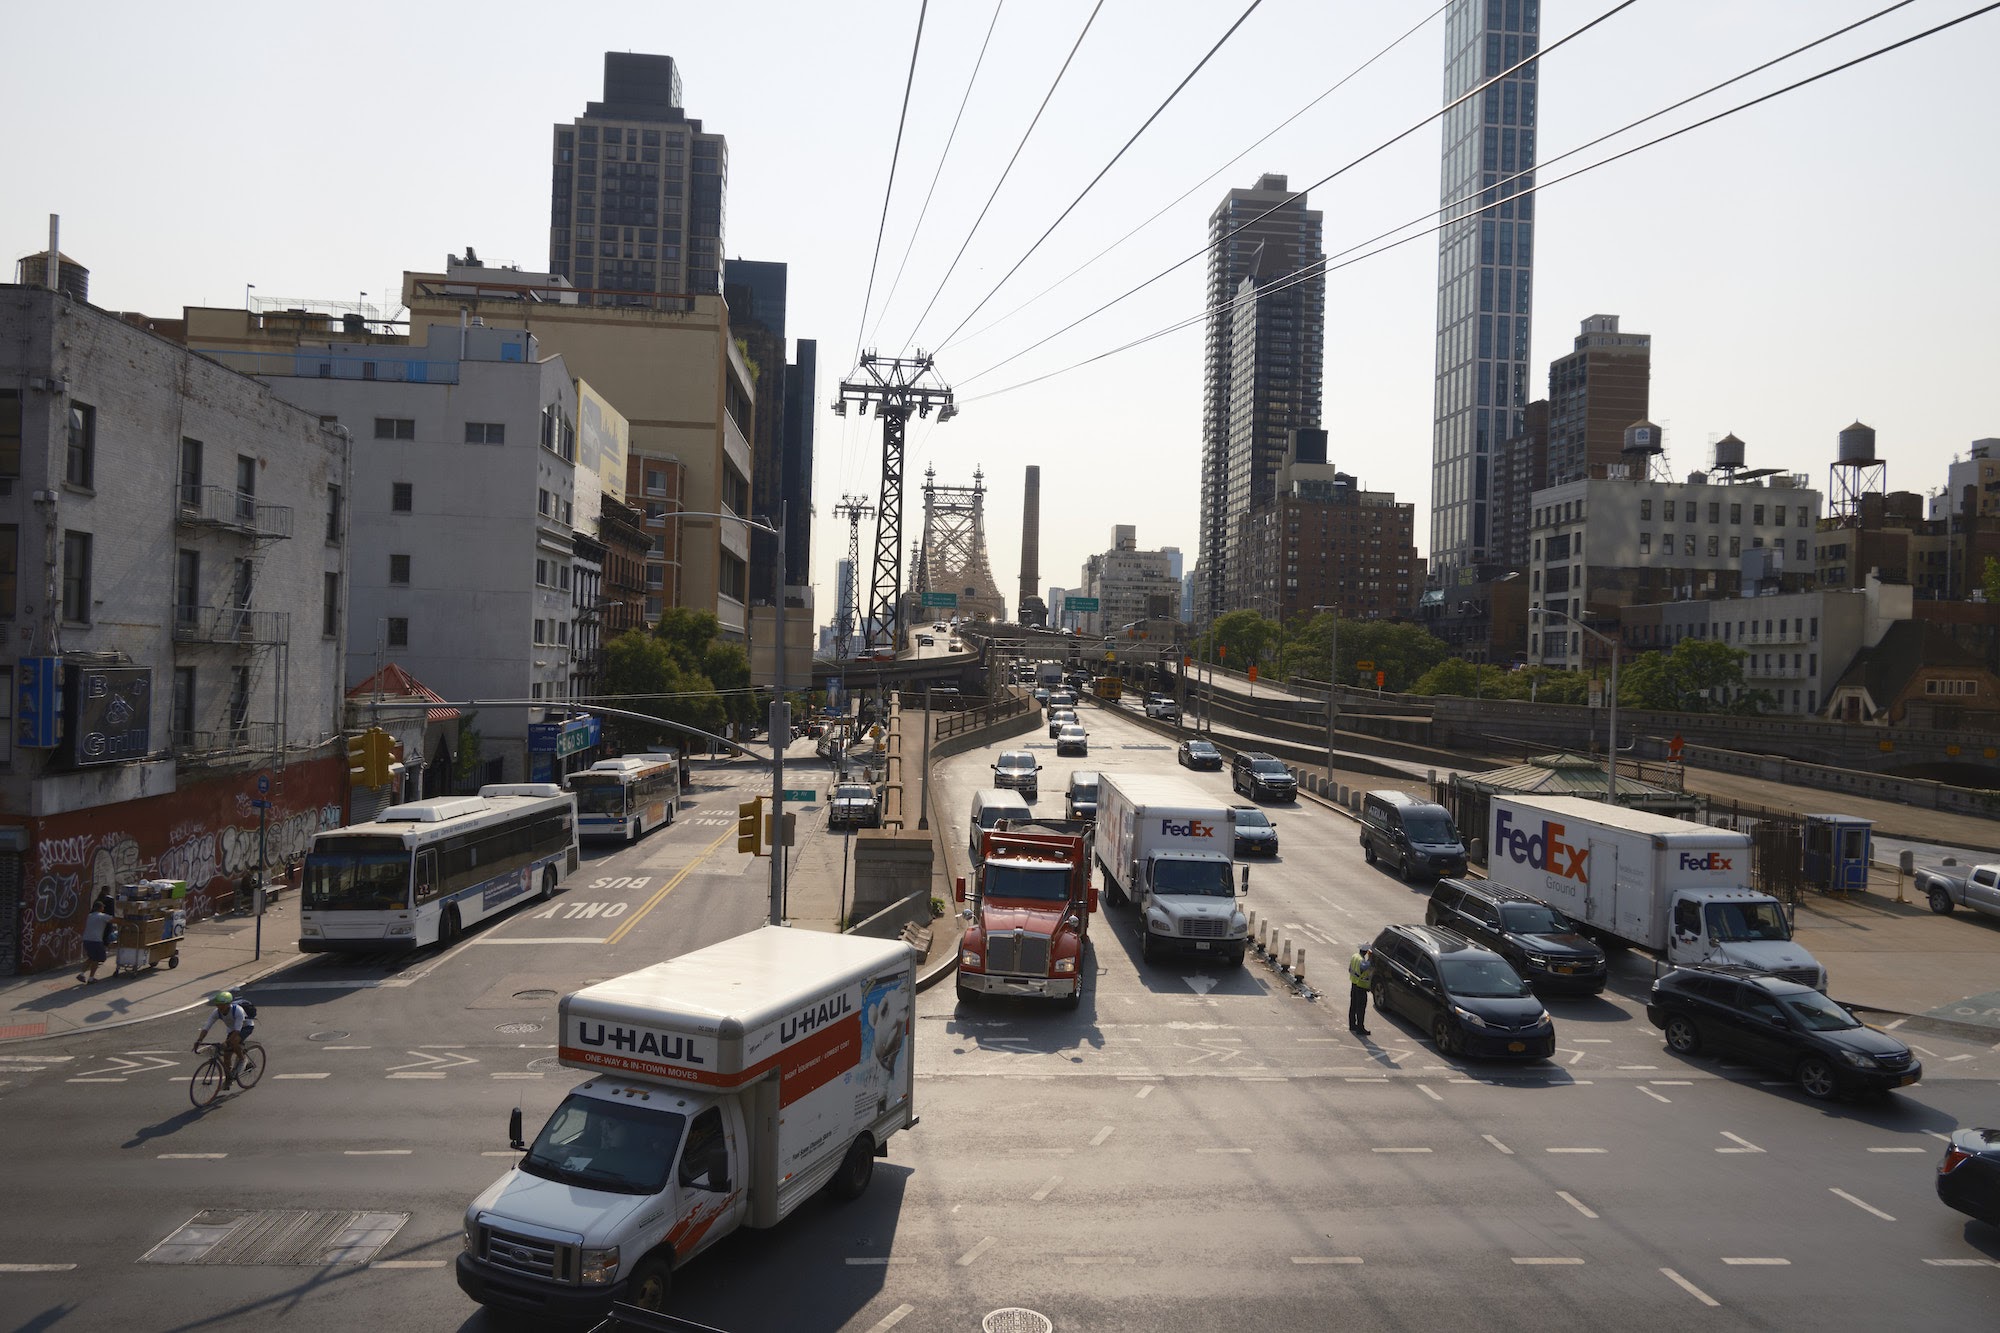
column 231, row 624
column 227, row 507
column 957, row 724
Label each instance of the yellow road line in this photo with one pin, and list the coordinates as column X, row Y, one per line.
column 666, row 889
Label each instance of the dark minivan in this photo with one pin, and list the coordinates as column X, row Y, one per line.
column 1465, row 997
column 1415, row 836
column 1536, row 940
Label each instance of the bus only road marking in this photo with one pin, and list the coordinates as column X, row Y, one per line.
column 618, row 935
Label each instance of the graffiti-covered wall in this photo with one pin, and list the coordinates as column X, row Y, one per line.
column 205, row 833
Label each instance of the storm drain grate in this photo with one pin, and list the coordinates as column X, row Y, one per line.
column 278, row 1236
column 1013, row 1319
column 518, row 1029
column 544, row 1064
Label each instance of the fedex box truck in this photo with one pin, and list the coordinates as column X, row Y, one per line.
column 727, row 1086
column 1168, row 848
column 1632, row 876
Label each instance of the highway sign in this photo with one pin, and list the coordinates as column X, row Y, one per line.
column 948, row 600
column 1080, row 605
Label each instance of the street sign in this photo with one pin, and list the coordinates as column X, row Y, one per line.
column 795, row 794
column 260, row 805
column 1364, row 664
column 1080, row 605
column 948, row 600
column 263, row 784
column 1380, row 676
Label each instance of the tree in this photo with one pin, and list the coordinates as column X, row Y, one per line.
column 1692, row 677
column 1243, row 636
column 1989, row 579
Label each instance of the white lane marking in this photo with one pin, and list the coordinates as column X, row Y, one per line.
column 1048, row 1188
column 1575, row 1203
column 966, row 1260
column 1577, row 1150
column 891, row 1319
column 1399, row 1150
column 1310, row 1041
column 1743, row 1144
column 1097, row 1139
column 391, row 983
column 1864, row 1207
column 881, row 1261
column 1891, row 1027
column 1928, row 1054
column 376, row 1152
column 1657, row 1097
column 1591, row 1041
column 1899, row 1150
column 1429, row 1093
column 1690, row 1288
column 1961, row 1263
column 103, row 1080
column 418, row 1074
column 192, row 1156
column 36, row 1268
column 1671, row 1082
column 1574, row 1058
column 1146, row 1091
column 503, row 1152
column 407, row 1263
column 1223, row 1150
column 1638, row 1066
column 1545, row 1260
column 1949, row 1058
column 1383, row 1079
column 1496, row 1143
column 1326, row 1258
column 1097, row 1258
column 1758, row 1263
column 347, row 1048
column 59, row 1059
column 302, row 1076
column 517, row 1073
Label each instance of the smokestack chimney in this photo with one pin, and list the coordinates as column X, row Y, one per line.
column 1032, row 610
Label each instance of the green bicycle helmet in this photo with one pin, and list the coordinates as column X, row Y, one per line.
column 220, row 998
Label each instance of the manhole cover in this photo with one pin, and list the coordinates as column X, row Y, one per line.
column 327, row 1036
column 516, row 1029
column 545, row 1064
column 535, row 994
column 1013, row 1319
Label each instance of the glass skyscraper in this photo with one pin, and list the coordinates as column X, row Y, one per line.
column 1485, row 270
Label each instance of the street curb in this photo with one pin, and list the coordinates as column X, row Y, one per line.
column 245, row 984
column 926, row 980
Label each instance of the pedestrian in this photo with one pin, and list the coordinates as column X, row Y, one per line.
column 1360, row 970
column 97, row 929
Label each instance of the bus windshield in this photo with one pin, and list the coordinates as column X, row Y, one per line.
column 358, row 875
column 599, row 798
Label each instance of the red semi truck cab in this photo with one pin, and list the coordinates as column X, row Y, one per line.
column 1029, row 918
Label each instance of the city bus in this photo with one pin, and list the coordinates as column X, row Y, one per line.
column 419, row 874
column 627, row 798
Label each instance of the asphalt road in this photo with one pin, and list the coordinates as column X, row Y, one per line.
column 1195, row 1146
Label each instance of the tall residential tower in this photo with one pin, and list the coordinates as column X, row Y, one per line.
column 1485, row 270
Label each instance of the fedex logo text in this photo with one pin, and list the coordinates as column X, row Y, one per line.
column 1704, row 861
column 1194, row 828
column 1544, row 850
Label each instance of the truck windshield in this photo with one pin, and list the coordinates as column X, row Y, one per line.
column 1192, row 878
column 358, row 875
column 1739, row 922
column 1036, row 883
column 1480, row 978
column 606, row 1146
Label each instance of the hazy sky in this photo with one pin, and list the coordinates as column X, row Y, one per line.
column 1824, row 257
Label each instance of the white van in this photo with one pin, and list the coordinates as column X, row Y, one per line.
column 989, row 807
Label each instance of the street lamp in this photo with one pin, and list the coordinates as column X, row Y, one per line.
column 1332, row 685
column 1611, row 756
column 781, row 721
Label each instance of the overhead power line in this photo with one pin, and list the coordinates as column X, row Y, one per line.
column 1311, row 271
column 890, row 189
column 888, row 300
column 1157, row 111
column 911, row 341
column 1300, row 194
column 1248, row 149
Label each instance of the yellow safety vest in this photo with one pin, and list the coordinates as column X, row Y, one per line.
column 1357, row 970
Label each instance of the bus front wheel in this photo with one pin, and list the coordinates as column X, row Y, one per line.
column 548, row 883
column 448, row 927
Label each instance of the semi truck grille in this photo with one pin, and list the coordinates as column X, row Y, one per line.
column 1204, row 927
column 530, row 1256
column 1018, row 953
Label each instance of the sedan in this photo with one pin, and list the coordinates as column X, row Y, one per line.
column 1199, row 754
column 1072, row 741
column 1968, row 1178
column 1790, row 1027
column 1256, row 835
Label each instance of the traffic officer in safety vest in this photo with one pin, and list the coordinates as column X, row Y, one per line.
column 1359, row 976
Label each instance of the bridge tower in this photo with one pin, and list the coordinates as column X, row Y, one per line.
column 954, row 547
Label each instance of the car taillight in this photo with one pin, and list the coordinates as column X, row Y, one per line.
column 1953, row 1159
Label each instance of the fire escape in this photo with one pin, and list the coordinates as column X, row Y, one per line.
column 219, row 624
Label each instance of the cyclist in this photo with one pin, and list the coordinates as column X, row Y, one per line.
column 226, row 1009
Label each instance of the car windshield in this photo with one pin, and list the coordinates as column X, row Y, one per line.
column 358, row 875
column 606, row 1146
column 1084, row 791
column 853, row 793
column 1819, row 1014
column 1196, row 878
column 1203, row 750
column 1036, row 883
column 1252, row 819
column 1269, row 768
column 1535, row 919
column 1736, row 922
column 1431, row 828
column 1480, row 978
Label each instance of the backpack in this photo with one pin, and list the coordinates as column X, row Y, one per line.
column 249, row 1010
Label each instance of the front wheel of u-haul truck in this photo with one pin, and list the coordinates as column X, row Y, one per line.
column 652, row 1279
column 856, row 1169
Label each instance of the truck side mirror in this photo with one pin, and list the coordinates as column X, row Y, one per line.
column 958, row 891
column 1243, row 890
column 514, row 1130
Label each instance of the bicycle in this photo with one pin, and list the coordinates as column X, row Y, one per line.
column 205, row 1085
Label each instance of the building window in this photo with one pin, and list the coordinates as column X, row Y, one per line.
column 181, row 721
column 402, row 494
column 10, row 567
column 544, row 502
column 10, row 432
column 1779, row 514
column 485, row 432
column 187, row 587
column 329, row 606
column 1667, row 511
column 1714, row 544
column 395, row 428
column 1802, row 551
column 76, row 578
column 190, row 472
column 538, row 630
column 1802, row 517
column 1736, row 513
column 80, row 463
column 399, row 569
column 239, row 700
column 399, row 631
column 1757, row 514
column 1735, row 547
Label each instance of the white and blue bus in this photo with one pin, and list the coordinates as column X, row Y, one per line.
column 627, row 798
column 419, row 874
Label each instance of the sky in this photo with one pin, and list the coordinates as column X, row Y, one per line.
column 1824, row 257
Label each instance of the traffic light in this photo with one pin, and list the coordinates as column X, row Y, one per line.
column 357, row 760
column 750, row 827
column 369, row 756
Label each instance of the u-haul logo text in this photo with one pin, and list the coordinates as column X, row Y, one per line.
column 814, row 1017
column 1704, row 861
column 1544, row 850
column 1194, row 828
column 622, row 1040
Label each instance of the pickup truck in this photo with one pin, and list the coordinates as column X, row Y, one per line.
column 1978, row 891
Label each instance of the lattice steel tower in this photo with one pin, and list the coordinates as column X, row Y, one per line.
column 953, row 555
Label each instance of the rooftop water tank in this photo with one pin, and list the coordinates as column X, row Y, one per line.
column 1729, row 452
column 1857, row 444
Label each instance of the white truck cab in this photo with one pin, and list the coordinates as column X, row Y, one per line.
column 1167, row 847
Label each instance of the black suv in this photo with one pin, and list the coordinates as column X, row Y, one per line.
column 1790, row 1027
column 1536, row 940
column 1465, row 997
column 1261, row 775
column 1416, row 836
